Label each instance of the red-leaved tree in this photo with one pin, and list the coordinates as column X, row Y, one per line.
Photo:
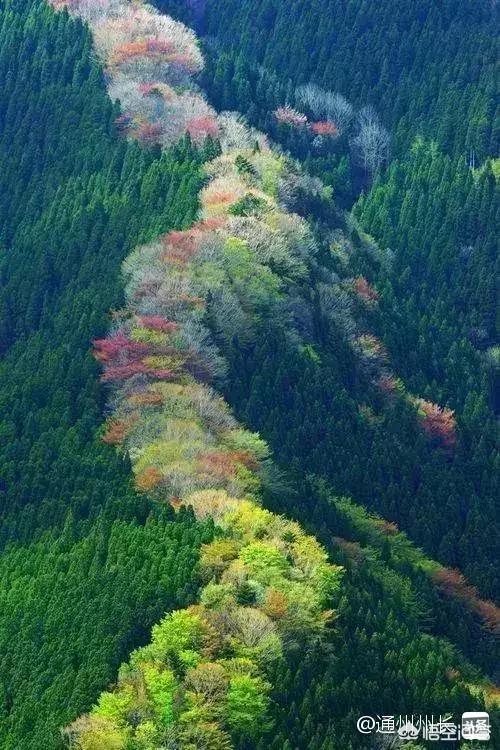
column 325, row 128
column 437, row 422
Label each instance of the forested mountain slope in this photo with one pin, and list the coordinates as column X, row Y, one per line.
column 205, row 677
column 244, row 263
column 427, row 67
column 250, row 295
column 434, row 211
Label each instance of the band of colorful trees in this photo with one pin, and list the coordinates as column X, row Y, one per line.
column 203, row 679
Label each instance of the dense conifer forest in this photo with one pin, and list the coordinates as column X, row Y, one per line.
column 85, row 568
column 248, row 375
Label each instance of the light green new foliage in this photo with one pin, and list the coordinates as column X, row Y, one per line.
column 246, row 703
column 264, row 561
column 147, row 736
column 97, row 733
column 161, row 685
column 243, row 440
column 115, row 706
column 176, row 633
column 270, row 169
column 251, row 280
